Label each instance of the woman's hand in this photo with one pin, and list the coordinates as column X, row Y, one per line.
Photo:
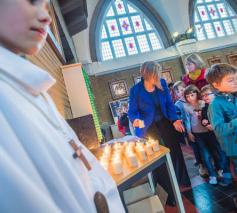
column 191, row 137
column 178, row 126
column 136, row 123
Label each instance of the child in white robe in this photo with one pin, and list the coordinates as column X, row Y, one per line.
column 37, row 170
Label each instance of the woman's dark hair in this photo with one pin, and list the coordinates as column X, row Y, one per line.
column 191, row 89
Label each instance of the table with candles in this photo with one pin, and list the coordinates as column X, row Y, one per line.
column 129, row 159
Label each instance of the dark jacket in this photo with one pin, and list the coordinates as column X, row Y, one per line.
column 141, row 106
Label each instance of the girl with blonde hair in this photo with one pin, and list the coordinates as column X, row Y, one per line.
column 195, row 71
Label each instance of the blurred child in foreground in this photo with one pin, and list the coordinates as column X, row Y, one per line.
column 43, row 165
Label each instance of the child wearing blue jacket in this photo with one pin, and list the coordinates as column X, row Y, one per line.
column 222, row 112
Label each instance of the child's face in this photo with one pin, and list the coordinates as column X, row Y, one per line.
column 24, row 25
column 192, row 98
column 207, row 96
column 125, row 109
column 191, row 67
column 228, row 84
column 180, row 91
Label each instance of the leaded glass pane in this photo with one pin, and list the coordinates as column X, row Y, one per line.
column 110, row 12
column 155, row 43
column 203, row 13
column 131, row 46
column 222, row 10
column 219, row 30
column 125, row 26
column 148, row 26
column 234, row 21
column 199, row 32
column 120, row 7
column 209, row 30
column 228, row 27
column 143, row 43
column 113, row 28
column 137, row 24
column 106, row 51
column 196, row 19
column 231, row 12
column 103, row 33
column 118, row 48
column 131, row 9
column 212, row 11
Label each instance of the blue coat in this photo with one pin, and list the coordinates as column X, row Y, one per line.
column 222, row 113
column 141, row 106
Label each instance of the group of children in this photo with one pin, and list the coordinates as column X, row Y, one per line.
column 209, row 114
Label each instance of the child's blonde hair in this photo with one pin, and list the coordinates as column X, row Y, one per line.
column 195, row 59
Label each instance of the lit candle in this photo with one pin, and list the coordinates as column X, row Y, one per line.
column 132, row 160
column 141, row 153
column 148, row 148
column 117, row 166
column 155, row 146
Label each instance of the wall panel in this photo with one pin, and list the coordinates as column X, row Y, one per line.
column 48, row 60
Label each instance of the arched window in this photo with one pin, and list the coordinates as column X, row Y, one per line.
column 125, row 30
column 214, row 18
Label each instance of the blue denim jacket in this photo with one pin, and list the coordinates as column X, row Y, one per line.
column 142, row 107
column 222, row 113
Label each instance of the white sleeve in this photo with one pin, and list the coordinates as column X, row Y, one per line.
column 21, row 190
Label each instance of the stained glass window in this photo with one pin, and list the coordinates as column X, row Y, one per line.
column 126, row 31
column 214, row 18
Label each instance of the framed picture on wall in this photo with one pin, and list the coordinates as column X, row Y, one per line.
column 136, row 78
column 214, row 60
column 166, row 74
column 232, row 59
column 114, row 106
column 118, row 89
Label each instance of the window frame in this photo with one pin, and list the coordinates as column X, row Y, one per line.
column 192, row 3
column 143, row 6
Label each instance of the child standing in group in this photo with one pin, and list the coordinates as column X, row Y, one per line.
column 179, row 88
column 223, row 109
column 221, row 161
column 123, row 120
column 196, row 132
column 195, row 71
column 43, row 165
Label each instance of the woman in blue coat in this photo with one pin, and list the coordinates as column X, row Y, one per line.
column 153, row 114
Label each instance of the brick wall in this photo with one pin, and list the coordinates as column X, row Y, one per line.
column 100, row 84
column 101, row 90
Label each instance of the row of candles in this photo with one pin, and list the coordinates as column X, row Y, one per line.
column 113, row 154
